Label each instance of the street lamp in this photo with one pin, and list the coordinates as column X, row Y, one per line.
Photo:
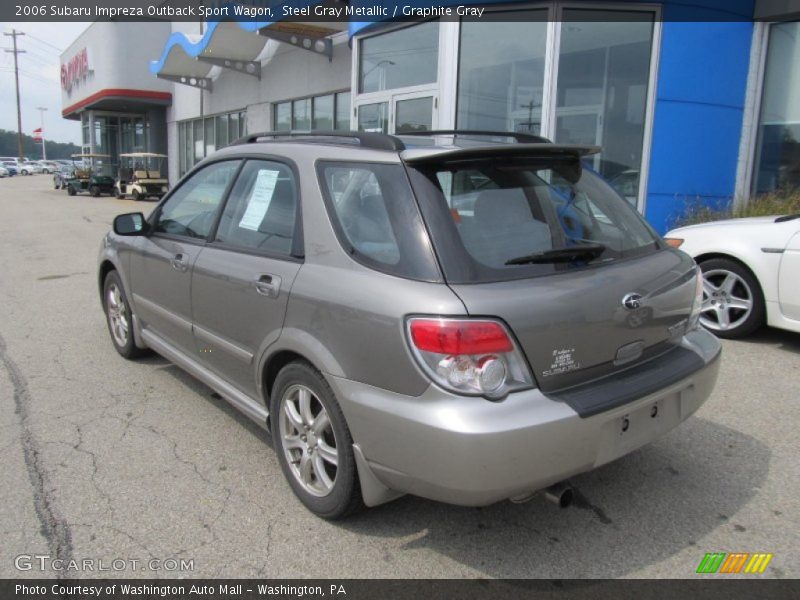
column 42, row 110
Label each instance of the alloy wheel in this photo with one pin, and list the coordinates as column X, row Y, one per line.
column 308, row 440
column 117, row 315
column 727, row 300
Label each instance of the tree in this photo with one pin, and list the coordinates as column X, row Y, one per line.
column 33, row 150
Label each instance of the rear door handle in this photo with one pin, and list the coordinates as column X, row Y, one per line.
column 268, row 285
column 180, row 262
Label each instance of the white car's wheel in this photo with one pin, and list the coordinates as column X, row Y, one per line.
column 733, row 304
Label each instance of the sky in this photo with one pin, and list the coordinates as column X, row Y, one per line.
column 39, row 79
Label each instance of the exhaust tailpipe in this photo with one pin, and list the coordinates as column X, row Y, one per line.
column 559, row 494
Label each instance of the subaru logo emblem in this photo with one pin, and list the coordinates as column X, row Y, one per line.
column 632, row 301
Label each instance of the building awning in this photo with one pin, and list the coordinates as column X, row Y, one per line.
column 238, row 45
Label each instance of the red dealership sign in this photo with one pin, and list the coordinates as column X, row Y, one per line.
column 75, row 69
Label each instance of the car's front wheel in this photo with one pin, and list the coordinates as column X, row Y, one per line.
column 119, row 317
column 733, row 304
column 313, row 442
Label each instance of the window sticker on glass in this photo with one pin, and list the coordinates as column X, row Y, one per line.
column 259, row 201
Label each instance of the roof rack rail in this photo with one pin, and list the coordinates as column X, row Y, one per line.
column 366, row 139
column 519, row 137
column 383, row 141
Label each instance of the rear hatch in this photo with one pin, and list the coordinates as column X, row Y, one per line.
column 574, row 327
column 530, row 234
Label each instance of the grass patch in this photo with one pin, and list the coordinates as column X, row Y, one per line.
column 779, row 202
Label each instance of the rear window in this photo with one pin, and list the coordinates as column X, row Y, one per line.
column 495, row 220
column 376, row 218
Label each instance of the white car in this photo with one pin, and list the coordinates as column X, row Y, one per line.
column 30, row 168
column 3, row 172
column 751, row 272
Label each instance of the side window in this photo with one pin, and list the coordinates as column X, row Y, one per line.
column 376, row 219
column 191, row 210
column 360, row 205
column 262, row 210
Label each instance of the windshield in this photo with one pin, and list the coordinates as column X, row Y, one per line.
column 512, row 218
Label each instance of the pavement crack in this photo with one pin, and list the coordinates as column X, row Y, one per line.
column 54, row 526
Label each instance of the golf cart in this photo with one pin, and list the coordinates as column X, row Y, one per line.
column 140, row 176
column 88, row 175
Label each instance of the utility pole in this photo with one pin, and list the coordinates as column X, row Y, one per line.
column 42, row 110
column 14, row 33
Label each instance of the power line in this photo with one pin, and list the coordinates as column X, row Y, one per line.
column 56, row 48
column 13, row 35
column 27, row 74
column 42, row 62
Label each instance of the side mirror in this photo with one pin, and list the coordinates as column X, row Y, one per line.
column 130, row 224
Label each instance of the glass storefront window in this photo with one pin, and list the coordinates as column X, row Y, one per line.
column 415, row 114
column 197, row 137
column 777, row 163
column 328, row 111
column 374, row 117
column 187, row 148
column 301, row 114
column 401, row 58
column 283, row 116
column 85, row 126
column 139, row 136
column 322, row 112
column 222, row 131
column 234, row 127
column 181, row 145
column 601, row 95
column 603, row 61
column 343, row 110
column 209, row 136
column 501, row 73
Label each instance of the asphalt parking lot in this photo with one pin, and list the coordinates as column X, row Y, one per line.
column 106, row 459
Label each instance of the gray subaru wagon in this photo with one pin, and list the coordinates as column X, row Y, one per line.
column 463, row 316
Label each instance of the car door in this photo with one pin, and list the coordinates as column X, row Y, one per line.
column 241, row 280
column 789, row 279
column 161, row 265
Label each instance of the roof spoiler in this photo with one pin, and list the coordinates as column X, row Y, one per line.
column 423, row 155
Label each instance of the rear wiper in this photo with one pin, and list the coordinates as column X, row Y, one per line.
column 559, row 255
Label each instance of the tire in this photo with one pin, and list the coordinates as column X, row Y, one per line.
column 733, row 303
column 137, row 195
column 340, row 496
column 118, row 194
column 71, row 190
column 94, row 191
column 119, row 317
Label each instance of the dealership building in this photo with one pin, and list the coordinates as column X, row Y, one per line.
column 694, row 101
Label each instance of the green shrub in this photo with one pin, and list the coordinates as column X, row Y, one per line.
column 779, row 202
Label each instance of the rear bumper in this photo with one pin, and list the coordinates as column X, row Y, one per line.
column 473, row 452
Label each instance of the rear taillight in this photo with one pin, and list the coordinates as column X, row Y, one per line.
column 697, row 301
column 475, row 357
